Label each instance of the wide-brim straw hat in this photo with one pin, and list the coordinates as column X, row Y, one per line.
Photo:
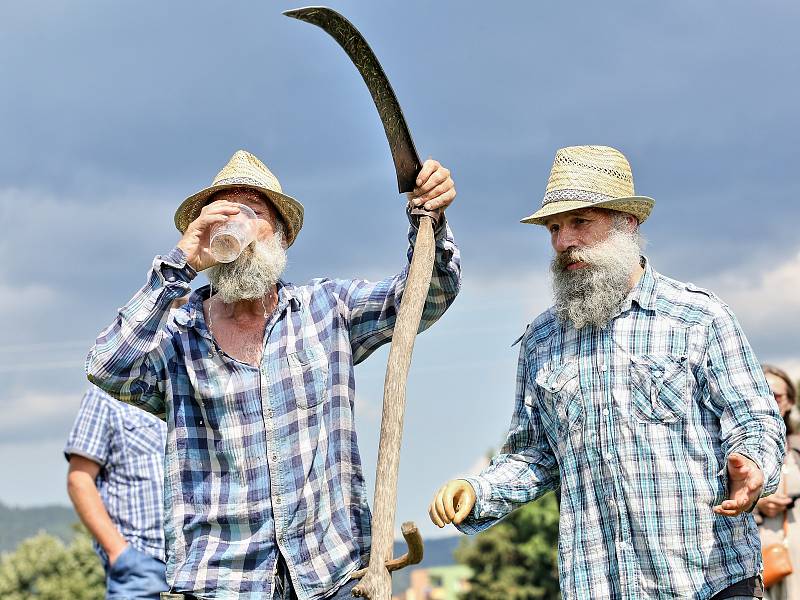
column 245, row 171
column 590, row 177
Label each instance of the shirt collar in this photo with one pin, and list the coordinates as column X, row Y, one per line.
column 191, row 314
column 644, row 292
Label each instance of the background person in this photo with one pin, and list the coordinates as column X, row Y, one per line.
column 771, row 510
column 116, row 454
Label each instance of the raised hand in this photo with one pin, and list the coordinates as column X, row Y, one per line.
column 435, row 188
column 196, row 239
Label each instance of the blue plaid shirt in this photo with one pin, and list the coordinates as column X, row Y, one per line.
column 128, row 444
column 260, row 460
column 635, row 423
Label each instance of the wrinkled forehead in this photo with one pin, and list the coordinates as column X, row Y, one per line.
column 578, row 213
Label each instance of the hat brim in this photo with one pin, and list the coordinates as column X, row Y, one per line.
column 290, row 210
column 638, row 206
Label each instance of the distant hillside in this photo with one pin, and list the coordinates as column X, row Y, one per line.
column 16, row 524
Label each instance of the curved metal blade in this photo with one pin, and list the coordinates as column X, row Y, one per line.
column 406, row 160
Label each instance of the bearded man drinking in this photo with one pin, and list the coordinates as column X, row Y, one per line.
column 264, row 494
column 640, row 398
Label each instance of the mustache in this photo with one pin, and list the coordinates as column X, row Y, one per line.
column 571, row 255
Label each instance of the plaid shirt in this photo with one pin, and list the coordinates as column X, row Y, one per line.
column 260, row 460
column 128, row 444
column 635, row 422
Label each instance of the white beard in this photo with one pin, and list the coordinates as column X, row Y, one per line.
column 592, row 295
column 253, row 274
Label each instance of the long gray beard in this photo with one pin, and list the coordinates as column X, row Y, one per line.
column 593, row 294
column 253, row 274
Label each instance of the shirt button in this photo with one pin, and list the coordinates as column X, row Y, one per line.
column 603, row 366
column 274, row 456
column 605, row 412
column 277, row 500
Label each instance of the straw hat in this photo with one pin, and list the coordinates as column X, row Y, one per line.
column 245, row 171
column 590, row 177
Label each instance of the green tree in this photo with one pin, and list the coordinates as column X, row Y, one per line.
column 517, row 558
column 42, row 567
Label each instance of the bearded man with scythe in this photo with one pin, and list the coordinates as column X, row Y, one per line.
column 640, row 398
column 264, row 493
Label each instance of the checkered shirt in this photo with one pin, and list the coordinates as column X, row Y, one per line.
column 128, row 444
column 635, row 422
column 260, row 460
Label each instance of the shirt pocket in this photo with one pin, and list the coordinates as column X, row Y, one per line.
column 308, row 370
column 563, row 402
column 659, row 387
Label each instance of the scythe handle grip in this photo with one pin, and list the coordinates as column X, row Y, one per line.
column 415, row 213
column 412, row 557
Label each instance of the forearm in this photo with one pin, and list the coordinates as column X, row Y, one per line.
column 121, row 362
column 93, row 514
column 510, row 482
column 749, row 420
column 372, row 307
column 524, row 469
column 446, row 277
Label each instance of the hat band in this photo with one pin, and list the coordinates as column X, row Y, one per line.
column 242, row 181
column 583, row 195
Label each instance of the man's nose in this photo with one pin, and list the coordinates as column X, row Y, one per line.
column 563, row 240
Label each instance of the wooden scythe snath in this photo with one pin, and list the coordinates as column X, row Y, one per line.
column 376, row 581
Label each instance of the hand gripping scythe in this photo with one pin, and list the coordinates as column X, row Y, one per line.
column 376, row 582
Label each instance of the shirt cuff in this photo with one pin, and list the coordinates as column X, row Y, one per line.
column 173, row 268
column 441, row 226
column 71, row 451
column 480, row 518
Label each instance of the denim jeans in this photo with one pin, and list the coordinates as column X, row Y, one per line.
column 135, row 576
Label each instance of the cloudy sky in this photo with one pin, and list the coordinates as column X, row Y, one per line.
column 112, row 113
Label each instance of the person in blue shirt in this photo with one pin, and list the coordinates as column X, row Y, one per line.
column 115, row 481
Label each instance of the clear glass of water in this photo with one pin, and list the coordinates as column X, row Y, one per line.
column 229, row 239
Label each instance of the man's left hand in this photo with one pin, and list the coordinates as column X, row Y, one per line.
column 435, row 188
column 745, row 482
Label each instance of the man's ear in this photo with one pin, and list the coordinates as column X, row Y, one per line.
column 632, row 221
